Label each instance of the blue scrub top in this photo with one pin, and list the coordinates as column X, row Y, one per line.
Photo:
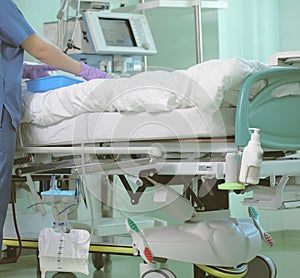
column 14, row 29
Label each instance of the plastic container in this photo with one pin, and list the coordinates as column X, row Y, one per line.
column 50, row 83
column 251, row 159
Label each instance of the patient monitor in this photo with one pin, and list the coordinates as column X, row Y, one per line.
column 118, row 33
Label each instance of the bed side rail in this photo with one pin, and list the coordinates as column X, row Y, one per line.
column 277, row 117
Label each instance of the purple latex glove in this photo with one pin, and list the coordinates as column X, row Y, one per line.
column 89, row 73
column 36, row 71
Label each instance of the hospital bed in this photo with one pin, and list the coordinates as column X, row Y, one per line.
column 182, row 145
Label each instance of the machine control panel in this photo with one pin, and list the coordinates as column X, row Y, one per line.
column 118, row 33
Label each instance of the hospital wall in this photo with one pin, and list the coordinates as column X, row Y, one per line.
column 249, row 29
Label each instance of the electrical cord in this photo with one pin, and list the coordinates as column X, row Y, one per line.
column 15, row 259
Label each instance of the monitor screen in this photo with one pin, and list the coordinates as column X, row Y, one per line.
column 117, row 32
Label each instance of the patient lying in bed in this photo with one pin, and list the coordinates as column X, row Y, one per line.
column 207, row 86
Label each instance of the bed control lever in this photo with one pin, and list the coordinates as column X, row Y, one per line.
column 269, row 198
column 39, row 168
column 135, row 196
column 23, row 160
column 147, row 172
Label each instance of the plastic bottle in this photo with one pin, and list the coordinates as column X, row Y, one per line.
column 251, row 159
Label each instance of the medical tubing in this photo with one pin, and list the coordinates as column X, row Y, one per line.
column 35, row 204
column 60, row 13
column 88, row 195
column 55, row 215
column 21, row 142
column 15, row 259
column 76, row 21
column 62, row 23
column 66, row 209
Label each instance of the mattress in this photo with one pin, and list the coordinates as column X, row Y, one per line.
column 129, row 126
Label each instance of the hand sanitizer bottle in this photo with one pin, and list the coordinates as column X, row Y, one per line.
column 251, row 159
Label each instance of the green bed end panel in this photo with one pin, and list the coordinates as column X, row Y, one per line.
column 278, row 118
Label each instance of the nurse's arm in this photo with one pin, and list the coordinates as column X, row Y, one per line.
column 50, row 54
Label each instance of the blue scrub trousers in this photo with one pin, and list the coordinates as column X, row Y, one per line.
column 7, row 155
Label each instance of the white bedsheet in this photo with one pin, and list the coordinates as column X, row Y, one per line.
column 86, row 128
column 204, row 86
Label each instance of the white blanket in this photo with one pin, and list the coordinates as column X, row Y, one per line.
column 204, row 86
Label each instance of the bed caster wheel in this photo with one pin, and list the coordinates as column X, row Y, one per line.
column 159, row 273
column 221, row 272
column 64, row 275
column 100, row 260
column 261, row 267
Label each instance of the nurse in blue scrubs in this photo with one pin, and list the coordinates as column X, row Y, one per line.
column 16, row 36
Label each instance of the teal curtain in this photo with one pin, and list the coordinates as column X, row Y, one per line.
column 289, row 25
column 250, row 29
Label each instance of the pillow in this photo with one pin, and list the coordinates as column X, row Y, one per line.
column 222, row 79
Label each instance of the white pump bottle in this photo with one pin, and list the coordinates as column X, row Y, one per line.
column 251, row 159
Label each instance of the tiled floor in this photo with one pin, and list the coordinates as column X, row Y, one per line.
column 115, row 266
column 285, row 253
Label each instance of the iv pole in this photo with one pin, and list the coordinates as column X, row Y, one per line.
column 198, row 30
